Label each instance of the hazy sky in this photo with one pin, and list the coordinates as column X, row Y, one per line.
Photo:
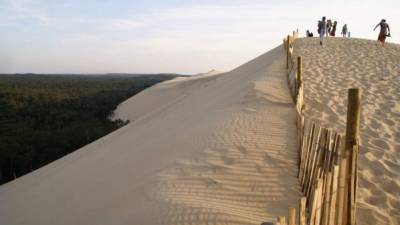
column 88, row 36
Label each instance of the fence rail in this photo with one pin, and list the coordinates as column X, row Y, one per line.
column 327, row 160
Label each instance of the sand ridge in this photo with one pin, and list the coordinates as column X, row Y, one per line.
column 328, row 72
column 198, row 150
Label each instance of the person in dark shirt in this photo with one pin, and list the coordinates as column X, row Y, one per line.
column 333, row 30
column 384, row 32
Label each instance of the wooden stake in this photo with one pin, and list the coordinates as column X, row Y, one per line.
column 338, row 148
column 353, row 118
column 299, row 79
column 287, row 51
column 311, row 165
column 311, row 133
column 292, row 216
column 341, row 193
column 333, row 197
column 282, row 220
column 319, row 203
column 303, row 149
column 326, row 202
column 353, row 187
column 302, row 211
column 316, row 163
column 316, row 206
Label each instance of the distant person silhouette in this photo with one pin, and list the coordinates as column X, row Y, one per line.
column 328, row 27
column 309, row 34
column 322, row 29
column 384, row 32
column 344, row 30
column 333, row 30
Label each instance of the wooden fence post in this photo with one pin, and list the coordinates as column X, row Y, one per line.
column 287, row 51
column 352, row 139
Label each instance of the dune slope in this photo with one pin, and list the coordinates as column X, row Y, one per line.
column 199, row 150
column 328, row 72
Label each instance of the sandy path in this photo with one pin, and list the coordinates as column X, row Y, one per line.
column 201, row 150
column 328, row 72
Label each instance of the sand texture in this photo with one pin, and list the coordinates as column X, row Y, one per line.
column 210, row 149
column 328, row 72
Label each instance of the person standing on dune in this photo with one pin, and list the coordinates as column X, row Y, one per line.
column 328, row 27
column 322, row 29
column 333, row 30
column 344, row 30
column 384, row 32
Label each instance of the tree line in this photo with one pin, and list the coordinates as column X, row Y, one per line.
column 44, row 117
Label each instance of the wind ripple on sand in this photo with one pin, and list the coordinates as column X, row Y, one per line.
column 247, row 171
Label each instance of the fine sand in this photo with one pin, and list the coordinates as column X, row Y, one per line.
column 328, row 72
column 211, row 149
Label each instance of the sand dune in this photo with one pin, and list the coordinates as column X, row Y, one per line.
column 328, row 72
column 199, row 150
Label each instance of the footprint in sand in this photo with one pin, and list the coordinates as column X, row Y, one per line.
column 370, row 156
column 210, row 182
column 242, row 150
column 227, row 160
column 381, row 144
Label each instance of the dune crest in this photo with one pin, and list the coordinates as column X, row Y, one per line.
column 198, row 150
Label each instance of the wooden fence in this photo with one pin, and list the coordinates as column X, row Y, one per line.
column 327, row 160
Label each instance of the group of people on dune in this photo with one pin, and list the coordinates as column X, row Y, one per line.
column 327, row 28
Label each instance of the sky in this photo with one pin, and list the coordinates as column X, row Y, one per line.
column 171, row 36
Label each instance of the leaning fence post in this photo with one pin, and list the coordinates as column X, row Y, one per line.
column 352, row 136
column 287, row 51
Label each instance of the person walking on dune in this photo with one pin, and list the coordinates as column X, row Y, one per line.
column 322, row 29
column 384, row 32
